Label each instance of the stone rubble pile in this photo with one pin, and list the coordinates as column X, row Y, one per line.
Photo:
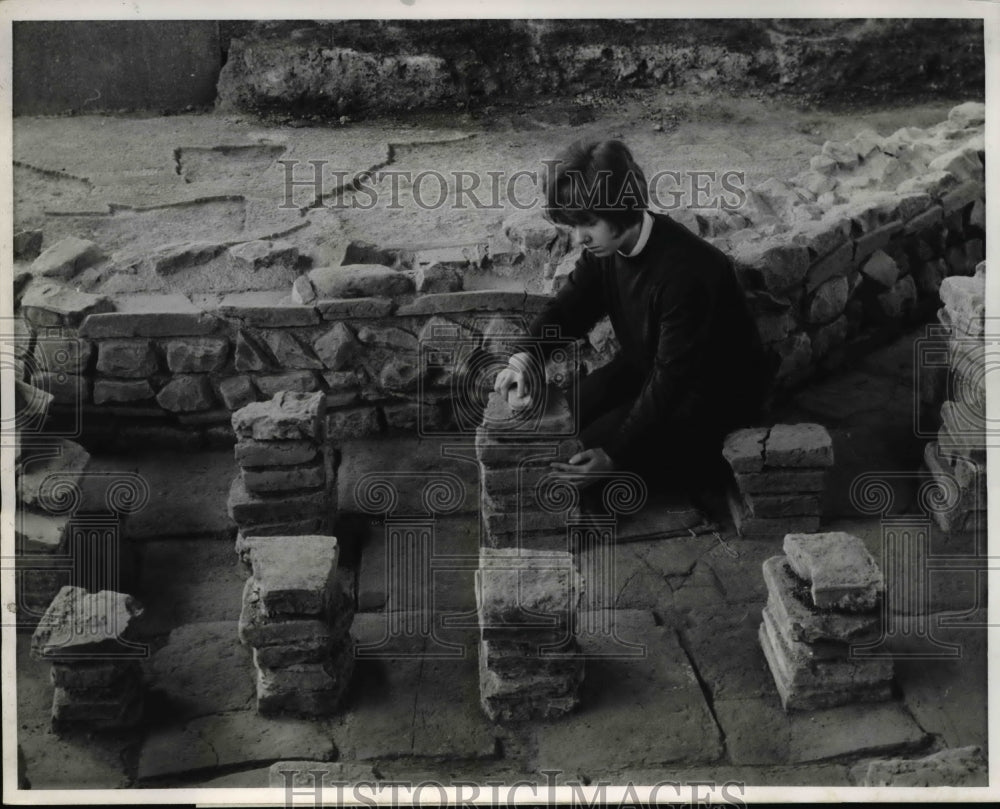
column 297, row 618
column 529, row 661
column 957, row 460
column 88, row 638
column 957, row 767
column 514, row 448
column 780, row 475
column 823, row 600
column 286, row 483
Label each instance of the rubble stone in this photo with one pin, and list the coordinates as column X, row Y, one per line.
column 881, row 269
column 749, row 526
column 285, row 585
column 360, row 281
column 257, row 254
column 260, row 632
column 66, row 258
column 27, row 244
column 808, row 699
column 170, row 258
column 798, row 445
column 511, row 584
column 47, row 303
column 246, row 507
column 250, row 452
column 336, row 347
column 195, row 355
column 289, row 352
column 80, row 624
column 781, row 481
column 783, row 505
column 237, row 391
column 290, row 381
column 284, row 478
column 63, row 354
column 149, row 315
column 126, row 358
column 186, row 393
column 288, row 416
column 438, row 278
column 843, row 573
column 957, row 767
column 787, row 600
column 114, row 390
column 828, row 301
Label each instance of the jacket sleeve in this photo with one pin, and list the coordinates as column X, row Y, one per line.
column 574, row 310
column 683, row 323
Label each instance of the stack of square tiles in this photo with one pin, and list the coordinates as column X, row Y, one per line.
column 515, row 448
column 780, row 475
column 90, row 640
column 529, row 661
column 957, row 460
column 823, row 600
column 297, row 617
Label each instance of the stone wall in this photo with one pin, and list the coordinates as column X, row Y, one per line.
column 840, row 255
column 328, row 69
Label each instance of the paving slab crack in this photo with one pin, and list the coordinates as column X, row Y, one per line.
column 416, row 701
column 621, row 590
column 706, row 692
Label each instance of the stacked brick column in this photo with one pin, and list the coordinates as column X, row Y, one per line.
column 87, row 637
column 286, row 481
column 780, row 475
column 514, row 449
column 958, row 458
column 529, row 662
column 822, row 598
column 297, row 617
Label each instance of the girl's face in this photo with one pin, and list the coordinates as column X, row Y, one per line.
column 598, row 238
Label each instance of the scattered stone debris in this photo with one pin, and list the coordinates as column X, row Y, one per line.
column 959, row 767
column 66, row 258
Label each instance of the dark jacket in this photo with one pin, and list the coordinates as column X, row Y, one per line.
column 683, row 323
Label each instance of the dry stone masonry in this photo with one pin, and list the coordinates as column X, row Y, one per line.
column 957, row 460
column 823, row 598
column 779, row 477
column 530, row 665
column 855, row 245
column 286, row 483
column 88, row 638
column 514, row 448
column 297, row 618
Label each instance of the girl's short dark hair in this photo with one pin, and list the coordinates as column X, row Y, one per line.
column 593, row 180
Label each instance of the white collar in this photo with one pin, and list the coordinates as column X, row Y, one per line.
column 644, row 231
